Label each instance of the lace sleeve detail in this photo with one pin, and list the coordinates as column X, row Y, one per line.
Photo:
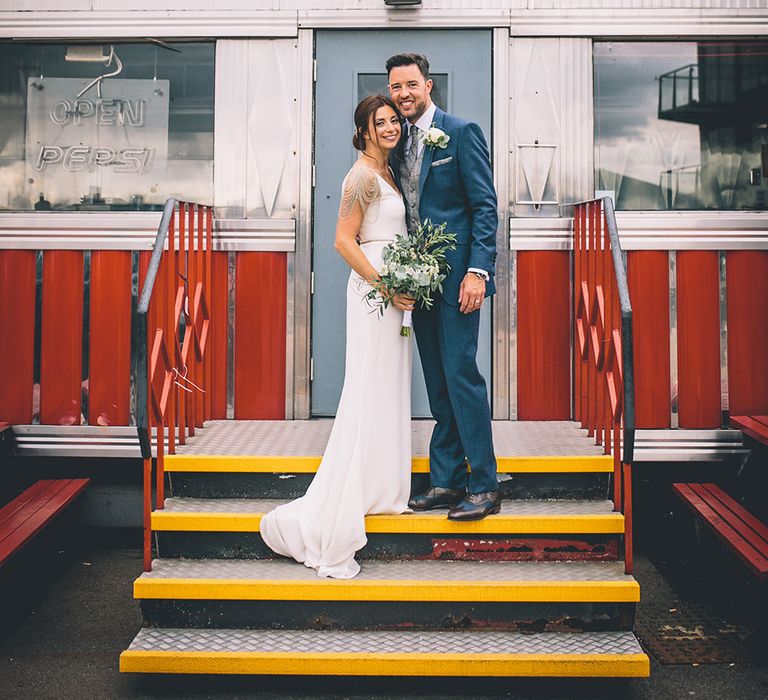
column 360, row 185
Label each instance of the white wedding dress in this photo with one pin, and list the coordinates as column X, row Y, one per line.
column 366, row 467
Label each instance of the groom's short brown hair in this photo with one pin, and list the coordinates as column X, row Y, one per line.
column 409, row 59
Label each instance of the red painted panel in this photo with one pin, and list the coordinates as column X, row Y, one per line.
column 648, row 278
column 747, row 280
column 698, row 339
column 109, row 357
column 260, row 306
column 61, row 363
column 218, row 340
column 17, row 334
column 543, row 335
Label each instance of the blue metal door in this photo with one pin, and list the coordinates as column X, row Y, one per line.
column 350, row 65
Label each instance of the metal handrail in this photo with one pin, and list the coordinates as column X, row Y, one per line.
column 604, row 377
column 142, row 369
column 627, row 352
column 172, row 357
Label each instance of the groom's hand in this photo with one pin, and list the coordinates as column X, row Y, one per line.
column 471, row 293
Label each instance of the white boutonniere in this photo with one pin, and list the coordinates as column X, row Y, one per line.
column 435, row 138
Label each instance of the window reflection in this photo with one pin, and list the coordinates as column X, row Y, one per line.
column 142, row 133
column 682, row 125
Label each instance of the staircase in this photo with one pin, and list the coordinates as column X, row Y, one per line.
column 537, row 590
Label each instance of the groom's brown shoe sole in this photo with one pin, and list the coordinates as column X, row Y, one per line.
column 437, row 497
column 476, row 506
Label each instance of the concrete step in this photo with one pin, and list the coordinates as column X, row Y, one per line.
column 524, row 530
column 391, row 653
column 281, row 594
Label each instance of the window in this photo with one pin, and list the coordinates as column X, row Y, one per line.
column 376, row 83
column 682, row 125
column 127, row 141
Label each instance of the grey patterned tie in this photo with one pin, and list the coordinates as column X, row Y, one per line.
column 413, row 148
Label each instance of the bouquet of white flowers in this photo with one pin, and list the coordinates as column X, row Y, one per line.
column 414, row 265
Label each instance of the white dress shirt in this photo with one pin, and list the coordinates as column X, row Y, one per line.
column 424, row 122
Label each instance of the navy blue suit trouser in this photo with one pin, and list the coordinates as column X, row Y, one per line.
column 458, row 398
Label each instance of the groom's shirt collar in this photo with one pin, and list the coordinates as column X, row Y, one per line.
column 423, row 122
column 426, row 119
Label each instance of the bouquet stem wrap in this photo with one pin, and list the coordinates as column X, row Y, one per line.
column 405, row 329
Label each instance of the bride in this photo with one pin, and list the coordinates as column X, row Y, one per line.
column 366, row 467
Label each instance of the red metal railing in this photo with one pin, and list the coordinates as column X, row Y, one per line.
column 603, row 371
column 173, row 325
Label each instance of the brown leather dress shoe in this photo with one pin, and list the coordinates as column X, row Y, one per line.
column 436, row 497
column 476, row 506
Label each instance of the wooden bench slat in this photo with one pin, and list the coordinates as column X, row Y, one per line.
column 739, row 511
column 733, row 519
column 54, row 501
column 747, row 553
column 751, row 427
column 22, row 499
column 23, row 514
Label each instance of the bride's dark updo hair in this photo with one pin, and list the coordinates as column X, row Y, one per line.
column 365, row 109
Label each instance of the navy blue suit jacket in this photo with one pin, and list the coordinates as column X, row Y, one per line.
column 456, row 187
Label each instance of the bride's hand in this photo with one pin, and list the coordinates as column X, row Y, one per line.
column 403, row 302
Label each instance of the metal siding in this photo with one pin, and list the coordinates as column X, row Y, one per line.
column 61, row 338
column 648, row 278
column 17, row 334
column 544, row 336
column 260, row 336
column 109, row 375
column 698, row 339
column 747, row 332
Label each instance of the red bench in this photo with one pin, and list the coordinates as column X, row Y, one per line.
column 29, row 513
column 731, row 522
column 755, row 427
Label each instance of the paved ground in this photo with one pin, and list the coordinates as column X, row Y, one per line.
column 63, row 629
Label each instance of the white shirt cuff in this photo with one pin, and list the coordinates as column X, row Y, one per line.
column 482, row 273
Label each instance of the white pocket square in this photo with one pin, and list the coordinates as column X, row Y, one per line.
column 443, row 161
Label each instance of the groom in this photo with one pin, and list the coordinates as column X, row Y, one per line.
column 450, row 182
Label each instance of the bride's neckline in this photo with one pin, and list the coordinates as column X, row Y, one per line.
column 383, row 179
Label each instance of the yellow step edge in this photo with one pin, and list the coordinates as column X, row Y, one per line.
column 349, row 664
column 264, row 464
column 390, row 590
column 416, row 523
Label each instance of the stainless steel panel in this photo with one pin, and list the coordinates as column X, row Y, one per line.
column 723, row 285
column 132, row 231
column 502, row 387
column 654, row 231
column 230, row 125
column 289, row 331
column 271, row 114
column 551, row 142
column 302, row 262
column 667, row 18
column 673, row 384
column 128, row 23
column 513, row 414
column 231, row 282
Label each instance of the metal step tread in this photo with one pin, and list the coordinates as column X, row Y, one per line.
column 308, row 464
column 518, row 516
column 309, row 437
column 433, row 653
column 411, row 580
